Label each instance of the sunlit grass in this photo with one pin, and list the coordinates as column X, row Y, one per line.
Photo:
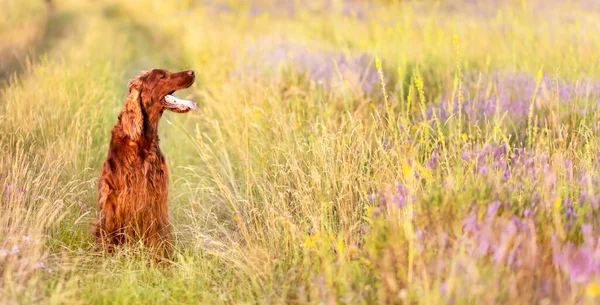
column 343, row 153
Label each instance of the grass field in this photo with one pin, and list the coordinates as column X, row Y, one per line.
column 345, row 152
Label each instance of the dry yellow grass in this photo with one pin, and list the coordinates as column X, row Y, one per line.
column 352, row 153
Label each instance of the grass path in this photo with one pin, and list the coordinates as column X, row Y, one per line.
column 26, row 40
column 53, row 146
column 55, row 120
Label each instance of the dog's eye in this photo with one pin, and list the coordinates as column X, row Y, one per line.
column 163, row 76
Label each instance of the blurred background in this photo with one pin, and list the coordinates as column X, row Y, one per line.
column 345, row 151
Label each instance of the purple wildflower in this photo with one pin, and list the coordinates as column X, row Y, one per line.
column 433, row 162
column 483, row 170
column 327, row 69
column 512, row 93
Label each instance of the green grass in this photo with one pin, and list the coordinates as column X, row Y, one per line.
column 273, row 181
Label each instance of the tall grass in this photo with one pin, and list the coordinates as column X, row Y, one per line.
column 345, row 153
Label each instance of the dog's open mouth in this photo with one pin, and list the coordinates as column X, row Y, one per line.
column 176, row 104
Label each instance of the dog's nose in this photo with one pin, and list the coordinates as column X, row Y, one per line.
column 190, row 73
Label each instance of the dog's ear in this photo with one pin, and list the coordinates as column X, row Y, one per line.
column 132, row 119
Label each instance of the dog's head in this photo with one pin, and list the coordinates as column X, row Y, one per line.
column 150, row 94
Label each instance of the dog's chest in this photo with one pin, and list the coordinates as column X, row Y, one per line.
column 142, row 167
column 147, row 169
column 153, row 168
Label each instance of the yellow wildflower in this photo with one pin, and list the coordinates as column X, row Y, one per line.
column 592, row 290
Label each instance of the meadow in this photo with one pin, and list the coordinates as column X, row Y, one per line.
column 345, row 152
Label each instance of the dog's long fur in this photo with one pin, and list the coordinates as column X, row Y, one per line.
column 132, row 190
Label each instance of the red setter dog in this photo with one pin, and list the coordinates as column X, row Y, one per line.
column 133, row 185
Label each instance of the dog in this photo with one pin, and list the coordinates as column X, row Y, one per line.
column 133, row 185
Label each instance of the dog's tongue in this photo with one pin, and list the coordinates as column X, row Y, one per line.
column 180, row 103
